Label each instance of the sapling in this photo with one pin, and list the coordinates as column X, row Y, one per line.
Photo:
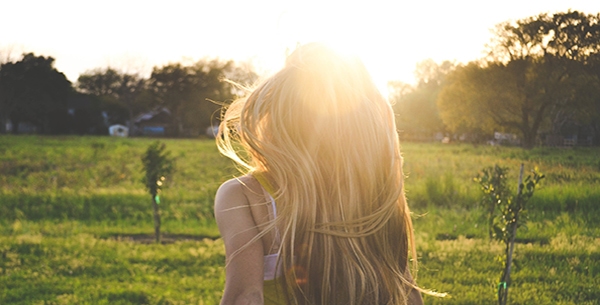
column 504, row 226
column 158, row 164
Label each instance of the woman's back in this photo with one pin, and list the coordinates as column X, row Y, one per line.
column 323, row 141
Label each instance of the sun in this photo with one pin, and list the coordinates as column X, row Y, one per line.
column 371, row 33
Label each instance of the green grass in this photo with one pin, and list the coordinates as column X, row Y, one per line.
column 73, row 210
column 563, row 272
column 85, row 269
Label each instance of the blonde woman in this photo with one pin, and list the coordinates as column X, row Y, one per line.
column 320, row 215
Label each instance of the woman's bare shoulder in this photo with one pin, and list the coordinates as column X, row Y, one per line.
column 244, row 251
column 230, row 194
column 236, row 192
column 232, row 208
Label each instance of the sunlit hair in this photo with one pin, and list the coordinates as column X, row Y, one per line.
column 325, row 139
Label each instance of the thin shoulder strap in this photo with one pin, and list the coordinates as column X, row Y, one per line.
column 268, row 191
column 273, row 205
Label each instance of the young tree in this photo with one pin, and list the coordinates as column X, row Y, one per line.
column 511, row 207
column 158, row 164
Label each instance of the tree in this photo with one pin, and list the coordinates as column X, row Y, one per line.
column 416, row 109
column 590, row 114
column 32, row 90
column 537, row 70
column 158, row 164
column 497, row 196
column 86, row 115
column 571, row 35
column 120, row 93
column 194, row 93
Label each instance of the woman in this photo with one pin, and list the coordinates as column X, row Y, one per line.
column 320, row 216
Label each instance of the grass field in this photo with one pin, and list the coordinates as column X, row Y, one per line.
column 74, row 222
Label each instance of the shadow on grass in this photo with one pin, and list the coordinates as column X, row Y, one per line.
column 166, row 238
column 542, row 241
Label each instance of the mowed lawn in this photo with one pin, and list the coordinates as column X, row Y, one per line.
column 76, row 223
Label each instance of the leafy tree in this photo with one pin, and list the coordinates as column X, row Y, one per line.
column 538, row 70
column 32, row 90
column 459, row 103
column 173, row 87
column 416, row 109
column 194, row 93
column 589, row 113
column 567, row 37
column 86, row 115
column 120, row 93
column 571, row 35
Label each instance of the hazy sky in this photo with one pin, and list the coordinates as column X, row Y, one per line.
column 390, row 36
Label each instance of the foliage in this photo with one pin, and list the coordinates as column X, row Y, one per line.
column 194, row 93
column 498, row 196
column 572, row 35
column 493, row 184
column 86, row 115
column 417, row 113
column 538, row 76
column 33, row 91
column 158, row 164
column 521, row 96
column 121, row 93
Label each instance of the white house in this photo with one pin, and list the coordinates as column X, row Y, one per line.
column 118, row 130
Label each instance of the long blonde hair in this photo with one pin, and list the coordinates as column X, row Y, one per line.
column 325, row 139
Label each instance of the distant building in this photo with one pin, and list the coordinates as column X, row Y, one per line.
column 571, row 133
column 153, row 123
column 118, row 130
column 501, row 138
column 24, row 127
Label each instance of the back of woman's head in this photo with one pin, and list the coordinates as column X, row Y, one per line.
column 324, row 138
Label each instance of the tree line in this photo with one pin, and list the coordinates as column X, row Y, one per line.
column 540, row 81
column 35, row 96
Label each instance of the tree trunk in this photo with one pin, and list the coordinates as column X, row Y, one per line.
column 15, row 126
column 491, row 221
column 529, row 139
column 505, row 283
column 156, row 219
column 3, row 121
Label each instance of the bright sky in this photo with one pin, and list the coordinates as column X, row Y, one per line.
column 134, row 36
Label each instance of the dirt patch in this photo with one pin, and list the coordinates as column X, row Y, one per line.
column 166, row 238
column 446, row 236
